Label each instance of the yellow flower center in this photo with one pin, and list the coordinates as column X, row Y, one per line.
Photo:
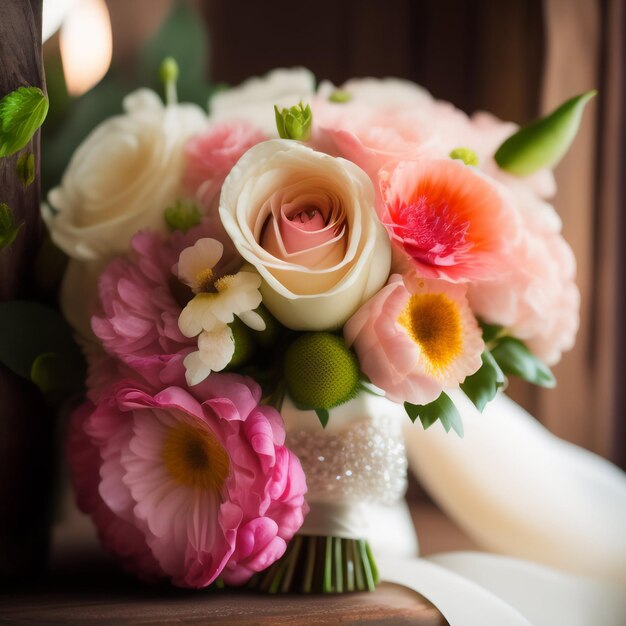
column 204, row 279
column 195, row 458
column 223, row 283
column 433, row 322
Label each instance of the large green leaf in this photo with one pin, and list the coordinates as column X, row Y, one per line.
column 514, row 358
column 441, row 409
column 22, row 112
column 482, row 386
column 544, row 142
column 29, row 330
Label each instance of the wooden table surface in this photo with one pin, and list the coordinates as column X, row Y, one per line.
column 84, row 586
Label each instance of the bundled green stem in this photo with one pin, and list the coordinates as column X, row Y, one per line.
column 319, row 564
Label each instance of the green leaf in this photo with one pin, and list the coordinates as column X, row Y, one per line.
column 482, row 386
column 323, row 416
column 490, row 331
column 295, row 122
column 25, row 168
column 22, row 112
column 544, row 142
column 8, row 229
column 469, row 157
column 441, row 409
column 29, row 330
column 182, row 216
column 515, row 359
column 339, row 96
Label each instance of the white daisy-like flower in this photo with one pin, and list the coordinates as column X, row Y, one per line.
column 215, row 351
column 235, row 294
column 215, row 305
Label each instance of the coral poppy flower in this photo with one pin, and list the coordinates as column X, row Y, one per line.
column 447, row 220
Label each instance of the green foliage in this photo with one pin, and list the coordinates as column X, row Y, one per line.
column 295, row 122
column 514, row 358
column 8, row 228
column 34, row 340
column 544, row 142
column 22, row 112
column 25, row 168
column 469, row 157
column 182, row 216
column 323, row 416
column 339, row 96
column 482, row 386
column 491, row 332
column 441, row 409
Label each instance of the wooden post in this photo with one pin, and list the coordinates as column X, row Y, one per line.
column 26, row 423
column 20, row 66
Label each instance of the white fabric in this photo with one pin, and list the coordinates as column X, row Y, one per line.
column 461, row 602
column 544, row 596
column 518, row 490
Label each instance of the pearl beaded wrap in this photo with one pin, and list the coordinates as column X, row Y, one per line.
column 359, row 458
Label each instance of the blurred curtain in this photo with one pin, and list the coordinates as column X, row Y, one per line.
column 517, row 58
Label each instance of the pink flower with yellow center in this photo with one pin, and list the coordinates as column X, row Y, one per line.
column 188, row 487
column 446, row 219
column 415, row 338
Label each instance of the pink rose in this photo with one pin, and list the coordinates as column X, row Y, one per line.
column 210, row 157
column 190, row 487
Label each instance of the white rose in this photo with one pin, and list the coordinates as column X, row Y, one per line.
column 255, row 98
column 306, row 221
column 122, row 177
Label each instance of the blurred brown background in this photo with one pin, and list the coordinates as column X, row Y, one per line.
column 517, row 59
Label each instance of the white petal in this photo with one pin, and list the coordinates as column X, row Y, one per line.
column 253, row 320
column 195, row 370
column 190, row 320
column 216, row 348
column 204, row 254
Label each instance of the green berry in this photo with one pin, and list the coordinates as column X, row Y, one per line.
column 320, row 371
column 244, row 344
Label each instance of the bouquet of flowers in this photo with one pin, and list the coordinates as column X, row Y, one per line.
column 261, row 291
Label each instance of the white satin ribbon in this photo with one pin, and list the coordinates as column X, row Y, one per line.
column 348, row 520
column 544, row 596
column 518, row 490
column 460, row 601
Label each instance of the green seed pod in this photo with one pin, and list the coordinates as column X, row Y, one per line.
column 320, row 371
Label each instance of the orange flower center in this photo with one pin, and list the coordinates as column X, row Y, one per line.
column 433, row 322
column 195, row 458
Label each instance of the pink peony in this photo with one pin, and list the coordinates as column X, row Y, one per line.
column 446, row 219
column 210, row 157
column 189, row 487
column 415, row 338
column 141, row 300
column 536, row 299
